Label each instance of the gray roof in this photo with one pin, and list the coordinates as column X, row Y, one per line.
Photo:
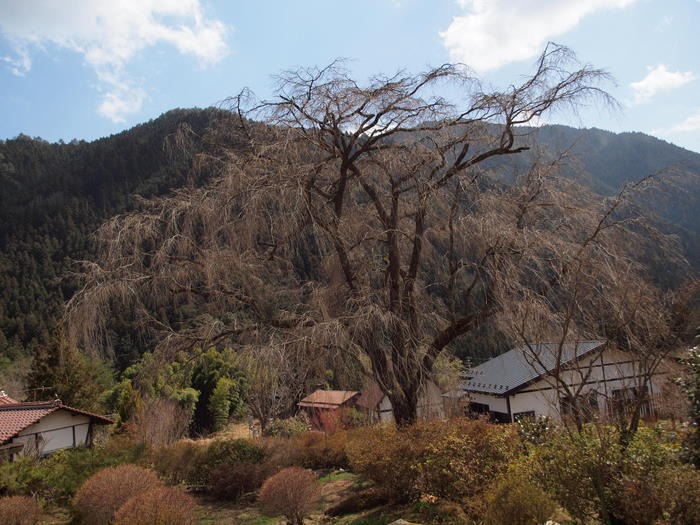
column 522, row 365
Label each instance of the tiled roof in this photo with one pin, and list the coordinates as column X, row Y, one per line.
column 7, row 400
column 521, row 365
column 327, row 398
column 15, row 417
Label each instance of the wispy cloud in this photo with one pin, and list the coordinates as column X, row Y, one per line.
column 109, row 35
column 692, row 123
column 493, row 33
column 658, row 79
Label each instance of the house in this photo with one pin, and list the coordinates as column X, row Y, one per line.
column 325, row 407
column 376, row 405
column 521, row 382
column 43, row 427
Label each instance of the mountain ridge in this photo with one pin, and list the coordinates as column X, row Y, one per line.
column 56, row 194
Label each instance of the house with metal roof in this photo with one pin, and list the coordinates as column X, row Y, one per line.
column 44, row 427
column 529, row 381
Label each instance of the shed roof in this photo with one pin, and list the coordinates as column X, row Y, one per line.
column 328, row 398
column 518, row 367
column 15, row 417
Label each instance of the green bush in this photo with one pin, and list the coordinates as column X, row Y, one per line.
column 579, row 470
column 516, row 501
column 594, row 477
column 57, row 477
column 194, row 462
column 679, row 492
column 287, row 428
column 103, row 493
column 19, row 510
column 456, row 460
column 159, row 506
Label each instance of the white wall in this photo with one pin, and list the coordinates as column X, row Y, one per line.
column 604, row 373
column 54, row 432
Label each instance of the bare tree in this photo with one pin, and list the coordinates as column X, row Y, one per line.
column 597, row 287
column 367, row 222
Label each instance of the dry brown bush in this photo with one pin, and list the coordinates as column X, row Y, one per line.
column 319, row 450
column 162, row 505
column 231, row 481
column 19, row 510
column 160, row 422
column 179, row 462
column 103, row 493
column 291, row 492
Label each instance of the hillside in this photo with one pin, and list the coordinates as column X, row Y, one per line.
column 55, row 195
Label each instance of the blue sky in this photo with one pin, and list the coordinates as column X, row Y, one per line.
column 90, row 68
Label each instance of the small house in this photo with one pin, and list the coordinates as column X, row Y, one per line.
column 325, row 407
column 527, row 381
column 44, row 427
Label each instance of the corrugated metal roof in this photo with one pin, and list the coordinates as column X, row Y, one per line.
column 15, row 417
column 521, row 365
column 327, row 398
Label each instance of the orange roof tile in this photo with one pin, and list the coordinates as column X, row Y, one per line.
column 15, row 417
column 7, row 400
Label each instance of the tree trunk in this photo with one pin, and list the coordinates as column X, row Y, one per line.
column 404, row 407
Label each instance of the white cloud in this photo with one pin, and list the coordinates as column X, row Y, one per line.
column 109, row 34
column 658, row 79
column 20, row 64
column 692, row 123
column 494, row 33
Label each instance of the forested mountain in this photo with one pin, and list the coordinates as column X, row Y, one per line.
column 54, row 196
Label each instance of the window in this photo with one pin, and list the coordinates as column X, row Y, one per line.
column 478, row 408
column 624, row 401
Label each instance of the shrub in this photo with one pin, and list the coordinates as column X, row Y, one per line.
column 231, row 481
column 292, row 492
column 457, row 459
column 287, row 428
column 162, row 505
column 516, row 501
column 104, row 492
column 592, row 475
column 57, row 477
column 19, row 510
column 283, row 452
column 194, row 463
column 180, row 462
column 679, row 492
column 319, row 451
column 579, row 469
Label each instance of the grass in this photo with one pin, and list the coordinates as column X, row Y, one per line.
column 336, row 476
